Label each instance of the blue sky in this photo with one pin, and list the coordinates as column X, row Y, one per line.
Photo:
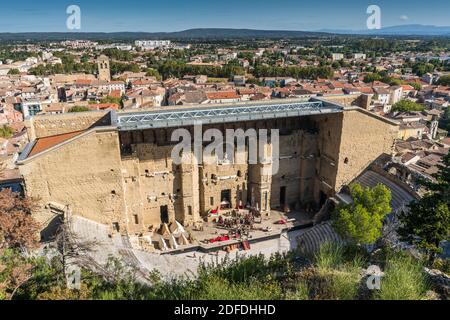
column 176, row 15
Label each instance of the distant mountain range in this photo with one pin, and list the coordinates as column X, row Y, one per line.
column 403, row 30
column 207, row 33
column 219, row 33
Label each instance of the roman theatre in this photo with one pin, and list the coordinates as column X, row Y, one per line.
column 115, row 167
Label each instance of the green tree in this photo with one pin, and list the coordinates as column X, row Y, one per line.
column 153, row 73
column 444, row 80
column 441, row 186
column 79, row 109
column 15, row 55
column 6, row 132
column 421, row 68
column 246, row 55
column 117, row 54
column 407, row 106
column 371, row 77
column 109, row 99
column 361, row 222
column 417, row 86
column 444, row 122
column 336, row 65
column 427, row 223
column 120, row 67
column 84, row 58
column 391, row 81
column 13, row 72
column 15, row 271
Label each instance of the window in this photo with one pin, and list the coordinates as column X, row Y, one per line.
column 136, row 219
column 211, row 201
column 225, row 195
column 190, row 210
column 116, row 227
column 346, row 161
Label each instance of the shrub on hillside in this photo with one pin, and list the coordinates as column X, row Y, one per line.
column 404, row 279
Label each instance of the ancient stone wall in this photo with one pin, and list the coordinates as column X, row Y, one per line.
column 216, row 179
column 84, row 174
column 347, row 100
column 293, row 185
column 157, row 189
column 151, row 182
column 50, row 125
column 364, row 138
column 133, row 182
column 329, row 129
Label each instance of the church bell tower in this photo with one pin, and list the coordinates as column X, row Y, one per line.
column 104, row 72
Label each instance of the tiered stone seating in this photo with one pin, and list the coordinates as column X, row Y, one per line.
column 399, row 195
column 310, row 241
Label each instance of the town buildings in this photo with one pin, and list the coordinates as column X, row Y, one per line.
column 152, row 44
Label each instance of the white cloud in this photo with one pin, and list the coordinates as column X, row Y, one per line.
column 404, row 18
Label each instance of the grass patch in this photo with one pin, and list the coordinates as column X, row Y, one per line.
column 336, row 273
column 404, row 279
column 6, row 132
column 329, row 256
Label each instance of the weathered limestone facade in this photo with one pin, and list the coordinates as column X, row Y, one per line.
column 128, row 180
column 51, row 125
column 157, row 190
column 365, row 136
column 84, row 173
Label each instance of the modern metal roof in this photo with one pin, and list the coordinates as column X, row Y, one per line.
column 220, row 114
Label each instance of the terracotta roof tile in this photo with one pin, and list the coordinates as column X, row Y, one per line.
column 222, row 95
column 46, row 143
column 115, row 93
